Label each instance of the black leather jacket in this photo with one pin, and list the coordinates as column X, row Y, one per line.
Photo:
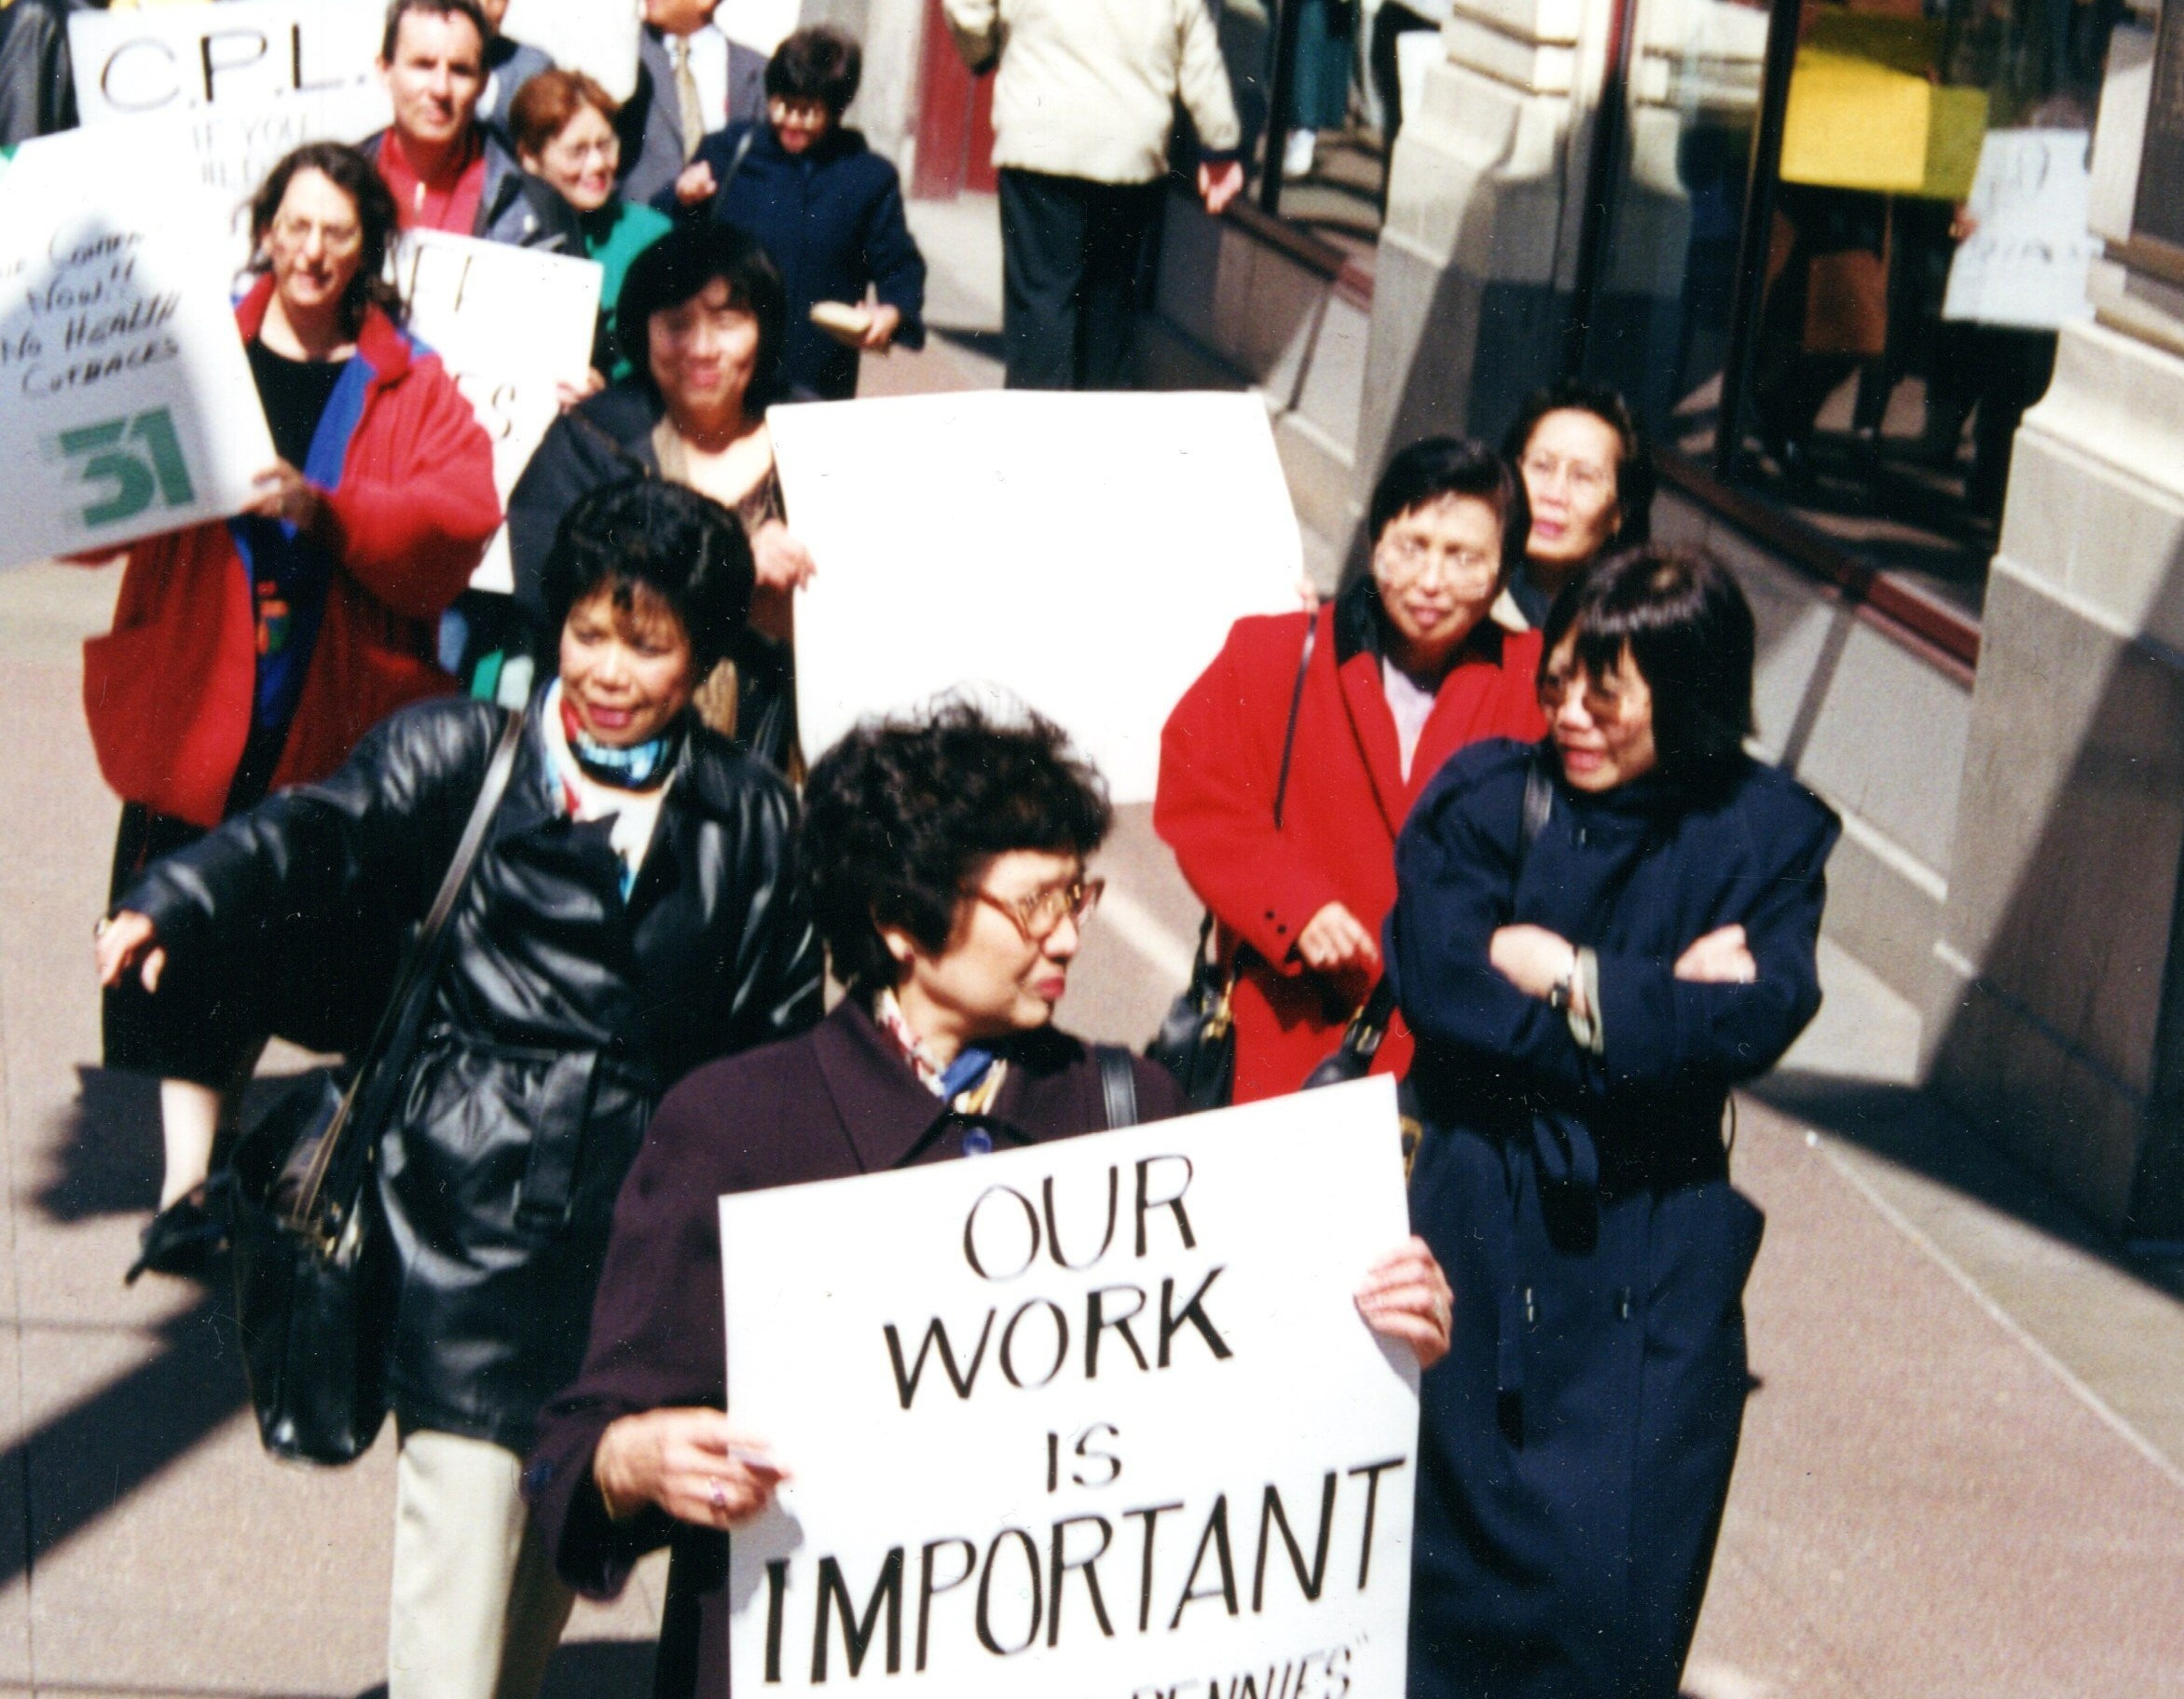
column 562, row 1012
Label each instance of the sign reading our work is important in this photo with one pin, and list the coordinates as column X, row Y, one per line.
column 245, row 80
column 127, row 405
column 511, row 326
column 1095, row 1419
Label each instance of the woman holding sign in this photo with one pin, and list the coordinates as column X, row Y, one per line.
column 250, row 656
column 701, row 321
column 1595, row 939
column 947, row 867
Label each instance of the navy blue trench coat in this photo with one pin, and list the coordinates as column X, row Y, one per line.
column 1576, row 1445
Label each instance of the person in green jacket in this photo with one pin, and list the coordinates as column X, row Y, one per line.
column 564, row 128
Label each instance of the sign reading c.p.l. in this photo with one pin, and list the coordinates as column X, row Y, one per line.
column 1095, row 1419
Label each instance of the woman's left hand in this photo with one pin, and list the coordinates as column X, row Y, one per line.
column 1722, row 957
column 1532, row 958
column 285, row 493
column 879, row 335
column 1406, row 1297
column 783, row 562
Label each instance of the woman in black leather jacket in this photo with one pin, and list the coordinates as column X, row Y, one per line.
column 636, row 913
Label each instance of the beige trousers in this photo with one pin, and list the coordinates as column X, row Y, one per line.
column 477, row 1609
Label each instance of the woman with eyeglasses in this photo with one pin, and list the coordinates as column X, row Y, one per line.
column 252, row 653
column 1587, row 982
column 1289, row 767
column 946, row 860
column 1589, row 477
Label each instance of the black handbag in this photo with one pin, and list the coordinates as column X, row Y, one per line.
column 1196, row 1040
column 311, row 1262
column 1353, row 1058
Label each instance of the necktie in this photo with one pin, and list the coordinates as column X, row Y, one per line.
column 686, row 96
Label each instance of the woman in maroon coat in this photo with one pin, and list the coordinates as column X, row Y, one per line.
column 947, row 862
column 1402, row 670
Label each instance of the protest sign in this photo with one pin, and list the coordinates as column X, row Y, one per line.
column 1085, row 552
column 2027, row 262
column 127, row 405
column 246, row 81
column 510, row 325
column 1094, row 1419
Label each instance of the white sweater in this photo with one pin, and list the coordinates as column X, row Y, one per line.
column 1087, row 87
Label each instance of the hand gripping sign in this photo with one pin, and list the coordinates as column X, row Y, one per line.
column 127, row 405
column 1094, row 1419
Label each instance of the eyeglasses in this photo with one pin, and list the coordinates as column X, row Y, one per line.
column 1039, row 915
column 1404, row 556
column 335, row 239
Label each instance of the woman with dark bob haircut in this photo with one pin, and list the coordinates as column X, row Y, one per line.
column 946, row 857
column 700, row 321
column 251, row 652
column 1594, row 938
column 634, row 914
column 827, row 207
column 1590, row 477
column 1289, row 767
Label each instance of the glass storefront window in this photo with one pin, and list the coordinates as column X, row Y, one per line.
column 1900, row 314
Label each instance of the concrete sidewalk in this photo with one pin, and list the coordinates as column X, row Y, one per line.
column 1963, row 1470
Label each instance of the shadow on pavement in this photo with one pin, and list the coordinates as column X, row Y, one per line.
column 80, row 1464
column 587, row 1670
column 986, row 344
column 1906, row 1127
column 107, row 1156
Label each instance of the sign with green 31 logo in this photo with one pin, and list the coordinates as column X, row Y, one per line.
column 128, row 463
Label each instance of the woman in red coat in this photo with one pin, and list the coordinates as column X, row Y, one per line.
column 250, row 654
column 1401, row 670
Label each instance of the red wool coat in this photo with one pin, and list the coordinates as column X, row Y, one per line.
column 170, row 691
column 1221, row 760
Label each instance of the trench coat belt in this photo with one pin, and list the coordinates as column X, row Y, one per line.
column 1559, row 1152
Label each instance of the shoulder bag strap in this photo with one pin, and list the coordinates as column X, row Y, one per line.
column 328, row 1188
column 1311, row 632
column 735, row 160
column 1118, row 1085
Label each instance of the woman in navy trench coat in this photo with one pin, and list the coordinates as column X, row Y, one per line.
column 1587, row 981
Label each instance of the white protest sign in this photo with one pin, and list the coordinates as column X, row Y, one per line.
column 1094, row 1419
column 127, row 405
column 760, row 25
column 510, row 325
column 1086, row 553
column 252, row 79
column 597, row 37
column 2027, row 262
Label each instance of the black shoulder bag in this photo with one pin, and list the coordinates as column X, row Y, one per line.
column 1352, row 1058
column 1196, row 1040
column 310, row 1253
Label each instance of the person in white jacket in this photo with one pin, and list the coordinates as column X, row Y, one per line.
column 1084, row 101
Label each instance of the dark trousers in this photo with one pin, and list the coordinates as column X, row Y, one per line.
column 1073, row 253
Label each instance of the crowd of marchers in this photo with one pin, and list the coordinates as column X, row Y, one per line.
column 1484, row 821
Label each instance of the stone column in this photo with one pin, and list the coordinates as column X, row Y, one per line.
column 2057, row 1020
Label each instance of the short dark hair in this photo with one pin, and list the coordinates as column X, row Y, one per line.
column 1441, row 466
column 819, row 63
column 678, row 268
column 355, row 176
column 548, row 99
column 1635, row 477
column 399, row 9
column 648, row 534
column 901, row 816
column 1687, row 628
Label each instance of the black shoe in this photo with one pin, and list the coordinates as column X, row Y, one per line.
column 182, row 1239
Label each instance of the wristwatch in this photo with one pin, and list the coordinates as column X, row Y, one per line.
column 1561, row 992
